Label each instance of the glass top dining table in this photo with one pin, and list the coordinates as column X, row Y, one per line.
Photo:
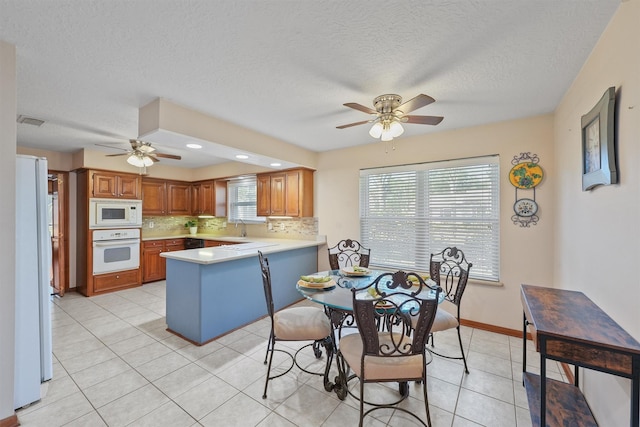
column 340, row 296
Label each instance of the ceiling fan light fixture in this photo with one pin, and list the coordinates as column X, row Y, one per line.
column 139, row 161
column 376, row 130
column 396, row 129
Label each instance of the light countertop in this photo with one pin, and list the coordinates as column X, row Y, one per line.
column 231, row 239
column 239, row 247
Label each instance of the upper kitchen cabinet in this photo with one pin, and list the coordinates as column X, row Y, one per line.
column 154, row 197
column 285, row 193
column 209, row 198
column 161, row 197
column 115, row 185
column 178, row 198
column 202, row 198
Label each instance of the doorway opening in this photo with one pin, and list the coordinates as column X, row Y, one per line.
column 58, row 215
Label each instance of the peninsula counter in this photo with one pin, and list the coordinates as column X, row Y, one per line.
column 211, row 291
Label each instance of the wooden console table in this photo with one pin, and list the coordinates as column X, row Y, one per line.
column 568, row 327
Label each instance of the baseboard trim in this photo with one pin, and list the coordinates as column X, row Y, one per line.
column 493, row 328
column 11, row 421
column 513, row 333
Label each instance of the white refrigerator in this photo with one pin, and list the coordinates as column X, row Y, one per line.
column 33, row 351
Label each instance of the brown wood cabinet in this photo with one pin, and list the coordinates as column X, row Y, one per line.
column 215, row 243
column 178, row 198
column 154, row 197
column 202, row 198
column 116, row 281
column 154, row 267
column 101, row 184
column 285, row 193
column 115, row 185
column 161, row 197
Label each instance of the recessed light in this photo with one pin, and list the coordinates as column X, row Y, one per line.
column 242, row 156
column 194, row 146
column 275, row 165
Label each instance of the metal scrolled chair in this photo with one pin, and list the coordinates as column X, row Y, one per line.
column 450, row 270
column 393, row 324
column 348, row 253
column 292, row 324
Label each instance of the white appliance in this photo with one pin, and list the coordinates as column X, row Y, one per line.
column 116, row 250
column 115, row 213
column 33, row 351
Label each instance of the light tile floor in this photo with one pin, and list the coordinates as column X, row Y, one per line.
column 116, row 365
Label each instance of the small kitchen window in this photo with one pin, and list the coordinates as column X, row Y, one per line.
column 242, row 200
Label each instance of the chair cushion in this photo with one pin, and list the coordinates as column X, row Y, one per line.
column 381, row 368
column 443, row 321
column 301, row 324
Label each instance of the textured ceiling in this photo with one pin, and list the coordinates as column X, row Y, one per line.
column 284, row 68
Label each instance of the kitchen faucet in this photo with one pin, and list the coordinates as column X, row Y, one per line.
column 243, row 230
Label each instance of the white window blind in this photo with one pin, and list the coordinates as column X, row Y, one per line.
column 242, row 200
column 409, row 212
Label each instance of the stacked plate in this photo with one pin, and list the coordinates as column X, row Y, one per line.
column 316, row 282
column 355, row 271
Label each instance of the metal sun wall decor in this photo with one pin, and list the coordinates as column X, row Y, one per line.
column 525, row 176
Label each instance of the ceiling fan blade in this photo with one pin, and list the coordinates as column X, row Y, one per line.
column 422, row 120
column 353, row 124
column 166, row 156
column 360, row 107
column 112, row 146
column 118, row 154
column 415, row 103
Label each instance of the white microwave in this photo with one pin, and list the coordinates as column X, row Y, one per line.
column 115, row 213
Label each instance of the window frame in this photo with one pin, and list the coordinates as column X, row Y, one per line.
column 232, row 210
column 419, row 225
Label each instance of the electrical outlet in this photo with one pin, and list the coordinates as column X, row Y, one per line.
column 224, row 224
column 151, row 224
column 270, row 226
column 281, row 227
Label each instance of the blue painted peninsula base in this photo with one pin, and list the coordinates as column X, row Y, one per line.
column 205, row 301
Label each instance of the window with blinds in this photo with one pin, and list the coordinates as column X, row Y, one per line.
column 242, row 200
column 409, row 212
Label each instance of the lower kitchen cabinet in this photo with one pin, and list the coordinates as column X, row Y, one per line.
column 115, row 281
column 153, row 265
column 214, row 243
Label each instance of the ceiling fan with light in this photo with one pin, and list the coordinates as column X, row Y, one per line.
column 142, row 154
column 390, row 113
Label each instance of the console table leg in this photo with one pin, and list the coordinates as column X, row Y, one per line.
column 524, row 345
column 543, row 384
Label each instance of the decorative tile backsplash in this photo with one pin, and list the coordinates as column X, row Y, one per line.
column 284, row 228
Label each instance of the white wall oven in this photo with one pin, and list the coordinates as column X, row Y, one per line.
column 116, row 250
column 115, row 213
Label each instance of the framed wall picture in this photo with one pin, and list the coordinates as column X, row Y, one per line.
column 598, row 143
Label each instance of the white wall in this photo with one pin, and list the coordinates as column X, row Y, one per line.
column 8, row 105
column 597, row 242
column 526, row 253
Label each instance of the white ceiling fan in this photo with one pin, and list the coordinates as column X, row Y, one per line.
column 390, row 112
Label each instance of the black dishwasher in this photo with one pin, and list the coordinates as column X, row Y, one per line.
column 191, row 243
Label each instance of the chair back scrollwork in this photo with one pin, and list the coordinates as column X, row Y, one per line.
column 266, row 283
column 348, row 253
column 390, row 302
column 450, row 269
